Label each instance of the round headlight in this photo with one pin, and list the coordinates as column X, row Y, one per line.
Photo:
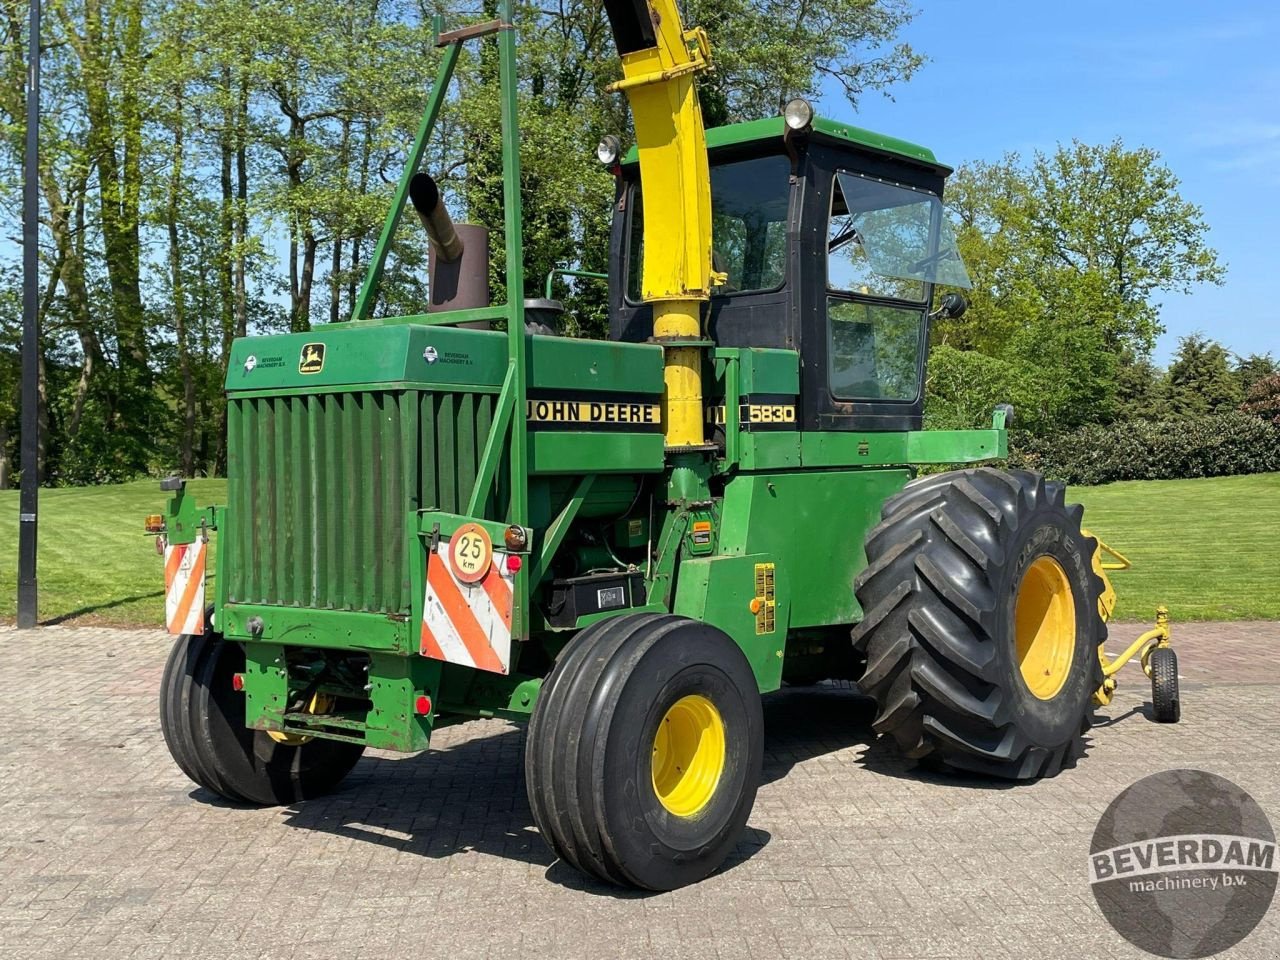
column 798, row 113
column 609, row 150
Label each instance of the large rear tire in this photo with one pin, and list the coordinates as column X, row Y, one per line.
column 981, row 624
column 644, row 751
column 203, row 721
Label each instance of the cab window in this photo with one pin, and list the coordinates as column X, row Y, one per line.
column 749, row 200
column 887, row 245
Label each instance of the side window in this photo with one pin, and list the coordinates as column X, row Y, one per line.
column 862, row 224
column 874, row 239
column 874, row 352
column 749, row 202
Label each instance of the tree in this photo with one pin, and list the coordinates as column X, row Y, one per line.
column 1200, row 378
column 1068, row 255
column 1253, row 368
column 766, row 53
column 1263, row 399
column 216, row 168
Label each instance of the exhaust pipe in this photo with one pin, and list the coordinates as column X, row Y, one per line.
column 425, row 196
column 458, row 254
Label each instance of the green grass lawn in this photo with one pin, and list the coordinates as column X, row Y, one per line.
column 1206, row 548
column 96, row 564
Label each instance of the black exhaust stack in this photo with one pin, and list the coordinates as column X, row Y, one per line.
column 458, row 256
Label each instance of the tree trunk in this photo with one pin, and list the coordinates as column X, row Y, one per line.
column 366, row 150
column 242, row 205
column 340, row 224
column 114, row 126
column 308, row 275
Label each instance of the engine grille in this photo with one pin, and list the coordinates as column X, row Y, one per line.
column 320, row 488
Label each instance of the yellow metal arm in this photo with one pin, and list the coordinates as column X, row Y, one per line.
column 1158, row 636
column 659, row 61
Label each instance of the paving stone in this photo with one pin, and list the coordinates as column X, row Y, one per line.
column 107, row 851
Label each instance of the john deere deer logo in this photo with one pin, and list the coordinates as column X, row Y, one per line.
column 312, row 359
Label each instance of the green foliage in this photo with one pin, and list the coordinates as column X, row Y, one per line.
column 220, row 168
column 1200, row 379
column 765, row 53
column 1254, row 368
column 964, row 386
column 1263, row 399
column 1204, row 446
column 1068, row 254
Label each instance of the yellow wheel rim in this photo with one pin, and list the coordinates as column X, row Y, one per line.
column 688, row 755
column 320, row 703
column 1045, row 627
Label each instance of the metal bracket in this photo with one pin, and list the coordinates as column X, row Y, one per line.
column 473, row 31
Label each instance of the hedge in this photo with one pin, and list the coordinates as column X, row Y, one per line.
column 1216, row 445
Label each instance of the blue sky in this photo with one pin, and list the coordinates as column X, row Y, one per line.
column 1198, row 82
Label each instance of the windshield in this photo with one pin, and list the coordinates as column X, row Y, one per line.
column 749, row 202
column 883, row 230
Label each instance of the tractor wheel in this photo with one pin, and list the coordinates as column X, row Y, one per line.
column 644, row 750
column 981, row 625
column 202, row 719
column 1166, row 706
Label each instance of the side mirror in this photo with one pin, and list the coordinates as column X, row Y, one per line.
column 952, row 307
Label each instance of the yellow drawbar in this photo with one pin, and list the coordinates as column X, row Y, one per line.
column 659, row 60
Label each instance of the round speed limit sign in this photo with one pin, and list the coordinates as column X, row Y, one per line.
column 470, row 552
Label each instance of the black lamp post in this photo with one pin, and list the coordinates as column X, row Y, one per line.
column 29, row 500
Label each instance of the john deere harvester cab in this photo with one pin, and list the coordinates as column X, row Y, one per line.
column 626, row 542
column 829, row 240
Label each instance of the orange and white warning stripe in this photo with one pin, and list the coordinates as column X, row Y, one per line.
column 468, row 623
column 184, row 587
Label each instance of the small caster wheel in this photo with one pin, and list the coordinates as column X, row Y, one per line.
column 1165, row 704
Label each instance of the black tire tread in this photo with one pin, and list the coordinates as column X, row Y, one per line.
column 928, row 607
column 567, row 815
column 193, row 674
column 565, row 757
column 1166, row 705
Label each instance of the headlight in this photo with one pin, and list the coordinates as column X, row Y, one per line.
column 798, row 113
column 608, row 150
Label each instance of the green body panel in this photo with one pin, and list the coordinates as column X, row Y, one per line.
column 765, row 371
column 368, row 354
column 577, row 453
column 812, row 525
column 782, row 450
column 719, row 590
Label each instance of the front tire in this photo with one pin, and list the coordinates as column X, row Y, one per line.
column 981, row 627
column 1166, row 704
column 203, row 721
column 644, row 751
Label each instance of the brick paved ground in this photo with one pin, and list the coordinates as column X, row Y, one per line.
column 106, row 850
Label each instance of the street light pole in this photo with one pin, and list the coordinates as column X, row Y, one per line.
column 29, row 499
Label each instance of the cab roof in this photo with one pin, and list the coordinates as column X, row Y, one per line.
column 772, row 128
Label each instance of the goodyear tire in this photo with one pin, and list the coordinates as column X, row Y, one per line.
column 1166, row 706
column 981, row 626
column 202, row 720
column 644, row 751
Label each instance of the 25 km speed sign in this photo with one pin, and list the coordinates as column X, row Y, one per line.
column 470, row 552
